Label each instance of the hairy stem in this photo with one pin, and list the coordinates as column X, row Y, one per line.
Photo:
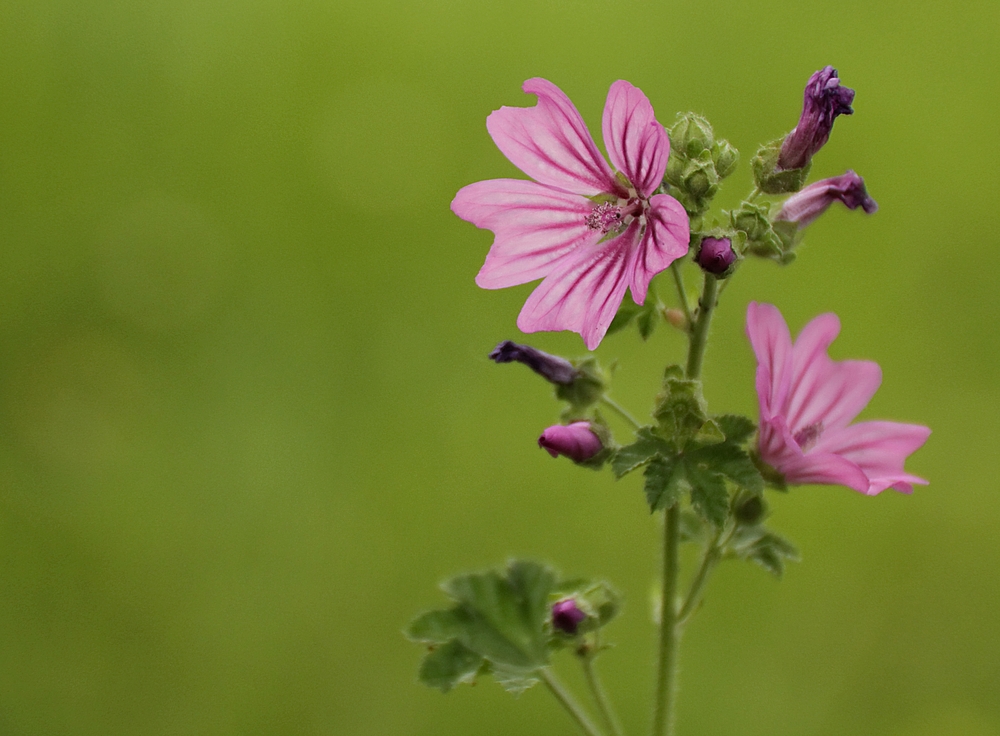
column 699, row 332
column 600, row 696
column 569, row 702
column 666, row 674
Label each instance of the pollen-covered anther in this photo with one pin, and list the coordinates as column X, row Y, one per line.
column 807, row 436
column 606, row 217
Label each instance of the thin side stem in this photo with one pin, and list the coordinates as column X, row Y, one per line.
column 621, row 411
column 708, row 562
column 569, row 703
column 754, row 194
column 666, row 675
column 699, row 332
column 675, row 268
column 600, row 696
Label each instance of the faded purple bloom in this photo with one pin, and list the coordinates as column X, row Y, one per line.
column 567, row 616
column 550, row 367
column 825, row 99
column 589, row 233
column 576, row 441
column 805, row 206
column 716, row 255
column 807, row 403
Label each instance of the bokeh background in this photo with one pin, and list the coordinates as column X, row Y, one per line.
column 247, row 422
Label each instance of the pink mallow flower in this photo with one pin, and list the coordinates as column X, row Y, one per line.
column 807, row 403
column 588, row 232
column 576, row 441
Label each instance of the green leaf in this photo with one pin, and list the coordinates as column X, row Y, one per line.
column 446, row 666
column 513, row 681
column 646, row 321
column 692, row 527
column 767, row 549
column 434, row 627
column 737, row 429
column 502, row 618
column 646, row 446
column 710, row 433
column 665, row 482
column 709, row 496
column 626, row 313
column 732, row 462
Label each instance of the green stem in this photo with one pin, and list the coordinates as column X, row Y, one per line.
column 666, row 675
column 569, row 702
column 621, row 411
column 699, row 332
column 754, row 194
column 708, row 562
column 600, row 696
column 675, row 268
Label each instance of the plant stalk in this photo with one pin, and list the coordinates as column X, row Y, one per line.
column 699, row 332
column 666, row 675
column 569, row 703
column 600, row 696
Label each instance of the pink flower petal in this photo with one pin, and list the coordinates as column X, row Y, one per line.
column 637, row 144
column 584, row 290
column 550, row 142
column 664, row 241
column 824, row 390
column 825, row 469
column 772, row 344
column 880, row 449
column 535, row 226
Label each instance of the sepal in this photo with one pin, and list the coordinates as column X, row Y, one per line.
column 766, row 175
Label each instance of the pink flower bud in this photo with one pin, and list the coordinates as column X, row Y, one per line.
column 805, row 206
column 716, row 255
column 824, row 100
column 576, row 441
column 567, row 616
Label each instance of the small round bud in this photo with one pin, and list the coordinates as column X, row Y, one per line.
column 716, row 255
column 577, row 441
column 567, row 616
column 751, row 510
column 676, row 318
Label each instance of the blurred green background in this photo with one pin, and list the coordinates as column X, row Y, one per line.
column 247, row 421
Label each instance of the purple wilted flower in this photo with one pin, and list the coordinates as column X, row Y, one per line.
column 576, row 441
column 588, row 232
column 550, row 367
column 567, row 616
column 716, row 255
column 825, row 99
column 805, row 206
column 807, row 403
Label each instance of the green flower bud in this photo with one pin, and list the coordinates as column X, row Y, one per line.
column 726, row 158
column 691, row 134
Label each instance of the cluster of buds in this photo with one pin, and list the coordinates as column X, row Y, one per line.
column 697, row 163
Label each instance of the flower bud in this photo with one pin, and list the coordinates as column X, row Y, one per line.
column 824, row 100
column 551, row 368
column 567, row 616
column 726, row 159
column 805, row 206
column 716, row 255
column 751, row 510
column 577, row 441
column 691, row 134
